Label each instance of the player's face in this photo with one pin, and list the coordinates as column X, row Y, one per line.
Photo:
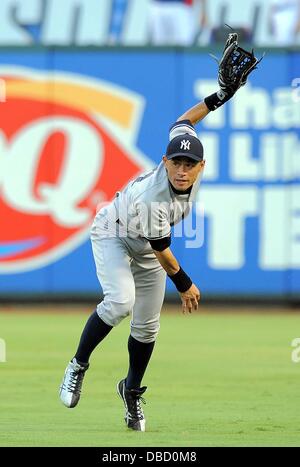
column 182, row 172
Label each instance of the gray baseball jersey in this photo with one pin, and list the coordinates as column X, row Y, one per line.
column 147, row 206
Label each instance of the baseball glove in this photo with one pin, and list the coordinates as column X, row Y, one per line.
column 235, row 65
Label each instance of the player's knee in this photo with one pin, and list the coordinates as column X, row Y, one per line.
column 114, row 310
column 145, row 333
column 123, row 307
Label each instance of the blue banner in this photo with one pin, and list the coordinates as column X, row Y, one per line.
column 77, row 125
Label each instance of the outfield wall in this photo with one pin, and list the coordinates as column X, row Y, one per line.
column 77, row 124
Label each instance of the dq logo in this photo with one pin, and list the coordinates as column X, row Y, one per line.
column 66, row 144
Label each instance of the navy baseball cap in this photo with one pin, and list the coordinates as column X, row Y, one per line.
column 185, row 145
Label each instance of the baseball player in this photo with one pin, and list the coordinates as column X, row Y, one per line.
column 131, row 240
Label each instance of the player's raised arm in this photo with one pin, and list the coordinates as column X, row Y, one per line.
column 195, row 114
column 189, row 293
column 234, row 68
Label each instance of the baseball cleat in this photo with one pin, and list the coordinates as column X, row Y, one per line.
column 70, row 389
column 132, row 398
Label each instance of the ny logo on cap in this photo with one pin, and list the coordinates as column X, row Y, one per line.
column 185, row 144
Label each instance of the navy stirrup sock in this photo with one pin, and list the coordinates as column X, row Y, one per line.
column 93, row 333
column 139, row 356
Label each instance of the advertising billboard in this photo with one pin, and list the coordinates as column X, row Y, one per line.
column 77, row 125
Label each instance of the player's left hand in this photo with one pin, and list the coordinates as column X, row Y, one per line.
column 235, row 65
column 190, row 299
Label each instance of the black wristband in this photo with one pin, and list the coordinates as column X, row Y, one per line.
column 181, row 281
column 214, row 101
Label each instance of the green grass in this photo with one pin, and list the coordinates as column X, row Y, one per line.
column 214, row 380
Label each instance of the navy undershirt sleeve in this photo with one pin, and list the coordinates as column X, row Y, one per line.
column 160, row 244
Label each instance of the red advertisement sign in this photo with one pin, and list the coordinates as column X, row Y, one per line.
column 66, row 145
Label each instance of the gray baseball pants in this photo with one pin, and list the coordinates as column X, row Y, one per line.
column 133, row 282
